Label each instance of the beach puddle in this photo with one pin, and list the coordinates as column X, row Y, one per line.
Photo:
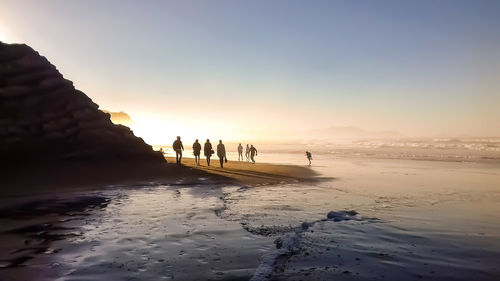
column 150, row 233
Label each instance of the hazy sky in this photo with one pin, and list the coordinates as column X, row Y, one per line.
column 235, row 68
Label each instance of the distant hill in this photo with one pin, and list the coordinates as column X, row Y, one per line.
column 121, row 118
column 349, row 132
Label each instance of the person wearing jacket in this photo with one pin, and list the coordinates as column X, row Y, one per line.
column 196, row 152
column 221, row 153
column 207, row 149
column 253, row 153
column 178, row 148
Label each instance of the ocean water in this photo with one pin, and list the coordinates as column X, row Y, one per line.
column 450, row 150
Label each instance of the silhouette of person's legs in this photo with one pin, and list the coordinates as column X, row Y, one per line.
column 221, row 162
column 208, row 160
column 251, row 157
column 178, row 156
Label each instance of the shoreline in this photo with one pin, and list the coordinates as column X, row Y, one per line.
column 246, row 173
column 43, row 219
column 30, row 183
column 244, row 226
column 18, row 181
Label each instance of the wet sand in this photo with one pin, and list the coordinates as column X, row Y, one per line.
column 51, row 218
column 412, row 220
column 73, row 177
column 151, row 233
column 33, row 180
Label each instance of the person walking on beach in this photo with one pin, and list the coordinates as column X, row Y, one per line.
column 178, row 148
column 253, row 152
column 247, row 152
column 221, row 152
column 309, row 157
column 240, row 152
column 196, row 152
column 207, row 149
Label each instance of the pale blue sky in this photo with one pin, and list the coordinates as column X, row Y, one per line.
column 418, row 67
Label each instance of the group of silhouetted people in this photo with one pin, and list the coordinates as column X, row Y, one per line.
column 207, row 150
column 178, row 147
column 250, row 152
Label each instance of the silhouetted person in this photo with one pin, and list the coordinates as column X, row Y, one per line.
column 247, row 152
column 309, row 157
column 253, row 152
column 240, row 152
column 196, row 152
column 178, row 148
column 221, row 153
column 207, row 149
column 161, row 150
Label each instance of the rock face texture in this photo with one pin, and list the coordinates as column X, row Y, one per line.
column 44, row 119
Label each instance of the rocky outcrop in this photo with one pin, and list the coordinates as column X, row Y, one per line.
column 121, row 118
column 43, row 118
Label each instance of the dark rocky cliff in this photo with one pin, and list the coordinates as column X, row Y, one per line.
column 44, row 119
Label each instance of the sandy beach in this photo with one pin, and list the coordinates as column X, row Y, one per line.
column 51, row 217
column 342, row 219
column 247, row 173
